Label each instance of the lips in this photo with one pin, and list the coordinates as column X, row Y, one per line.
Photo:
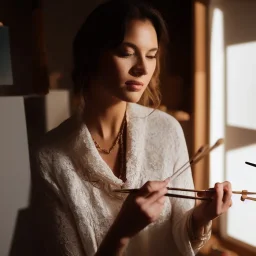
column 134, row 86
column 133, row 82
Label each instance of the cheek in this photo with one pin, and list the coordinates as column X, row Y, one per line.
column 151, row 69
column 116, row 68
column 121, row 66
column 108, row 68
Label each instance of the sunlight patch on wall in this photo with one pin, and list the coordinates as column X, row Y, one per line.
column 241, row 216
column 217, row 96
column 241, row 85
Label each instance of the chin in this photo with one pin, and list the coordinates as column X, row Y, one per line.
column 131, row 97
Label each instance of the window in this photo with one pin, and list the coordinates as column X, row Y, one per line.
column 233, row 111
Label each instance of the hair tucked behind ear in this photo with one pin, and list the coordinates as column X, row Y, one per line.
column 104, row 29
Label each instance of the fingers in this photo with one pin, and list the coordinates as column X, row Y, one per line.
column 220, row 203
column 218, row 197
column 161, row 201
column 143, row 207
column 227, row 194
column 152, row 186
column 210, row 193
column 149, row 200
column 223, row 197
column 151, row 197
column 157, row 196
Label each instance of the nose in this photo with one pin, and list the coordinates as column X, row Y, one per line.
column 139, row 68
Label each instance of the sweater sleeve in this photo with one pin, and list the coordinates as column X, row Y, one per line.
column 182, row 209
column 53, row 226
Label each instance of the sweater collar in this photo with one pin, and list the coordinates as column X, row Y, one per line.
column 95, row 169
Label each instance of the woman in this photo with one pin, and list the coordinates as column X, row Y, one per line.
column 113, row 143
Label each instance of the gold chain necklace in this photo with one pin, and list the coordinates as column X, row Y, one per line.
column 119, row 135
column 122, row 157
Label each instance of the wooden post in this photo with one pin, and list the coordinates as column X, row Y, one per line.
column 200, row 171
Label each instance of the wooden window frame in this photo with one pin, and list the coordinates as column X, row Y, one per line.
column 201, row 121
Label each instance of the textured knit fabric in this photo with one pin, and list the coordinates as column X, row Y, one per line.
column 73, row 185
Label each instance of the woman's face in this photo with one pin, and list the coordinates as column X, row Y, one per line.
column 125, row 72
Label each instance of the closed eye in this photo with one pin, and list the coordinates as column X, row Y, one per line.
column 125, row 54
column 151, row 57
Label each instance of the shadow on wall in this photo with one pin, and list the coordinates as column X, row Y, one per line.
column 21, row 241
column 42, row 115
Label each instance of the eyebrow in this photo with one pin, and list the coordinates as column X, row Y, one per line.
column 136, row 48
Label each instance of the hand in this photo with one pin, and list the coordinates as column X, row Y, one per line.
column 141, row 208
column 221, row 202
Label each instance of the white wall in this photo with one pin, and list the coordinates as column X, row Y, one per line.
column 14, row 167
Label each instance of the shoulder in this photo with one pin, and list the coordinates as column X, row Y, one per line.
column 162, row 128
column 159, row 120
column 49, row 151
column 56, row 140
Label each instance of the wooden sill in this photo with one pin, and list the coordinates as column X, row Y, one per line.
column 217, row 246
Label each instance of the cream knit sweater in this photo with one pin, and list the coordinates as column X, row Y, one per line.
column 73, row 201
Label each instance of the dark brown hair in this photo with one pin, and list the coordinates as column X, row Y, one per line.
column 104, row 29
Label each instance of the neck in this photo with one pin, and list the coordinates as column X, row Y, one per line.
column 104, row 119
